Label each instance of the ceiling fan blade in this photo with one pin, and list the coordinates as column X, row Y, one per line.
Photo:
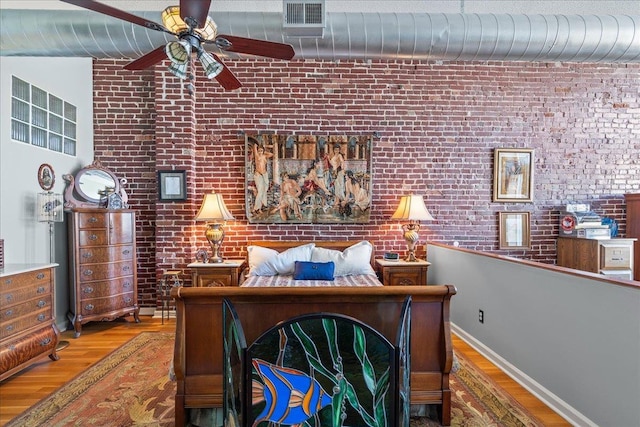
column 255, row 47
column 226, row 78
column 117, row 13
column 147, row 60
column 196, row 9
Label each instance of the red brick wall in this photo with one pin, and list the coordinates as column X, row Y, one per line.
column 438, row 123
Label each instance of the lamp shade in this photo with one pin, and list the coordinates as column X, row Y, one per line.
column 213, row 209
column 212, row 68
column 412, row 208
column 173, row 22
column 178, row 51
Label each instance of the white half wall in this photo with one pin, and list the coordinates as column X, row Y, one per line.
column 572, row 340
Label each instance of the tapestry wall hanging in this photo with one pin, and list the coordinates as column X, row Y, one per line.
column 308, row 178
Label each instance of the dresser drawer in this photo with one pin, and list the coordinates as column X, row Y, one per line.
column 25, row 293
column 106, row 305
column 30, row 279
column 92, row 220
column 106, row 288
column 103, row 254
column 15, row 352
column 13, row 326
column 91, row 272
column 615, row 257
column 8, row 314
column 88, row 238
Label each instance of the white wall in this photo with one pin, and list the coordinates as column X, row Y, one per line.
column 25, row 239
column 574, row 341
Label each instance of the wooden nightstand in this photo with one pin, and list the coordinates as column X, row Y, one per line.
column 402, row 273
column 225, row 273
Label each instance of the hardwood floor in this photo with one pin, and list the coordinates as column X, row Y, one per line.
column 98, row 339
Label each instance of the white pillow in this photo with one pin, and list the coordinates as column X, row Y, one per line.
column 356, row 259
column 269, row 262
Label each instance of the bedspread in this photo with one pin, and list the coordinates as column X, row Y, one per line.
column 288, row 281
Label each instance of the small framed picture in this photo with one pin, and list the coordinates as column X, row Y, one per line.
column 172, row 185
column 515, row 230
column 513, row 175
column 46, row 177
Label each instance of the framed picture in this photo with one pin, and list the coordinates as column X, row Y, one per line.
column 515, row 230
column 308, row 178
column 46, row 177
column 513, row 175
column 172, row 185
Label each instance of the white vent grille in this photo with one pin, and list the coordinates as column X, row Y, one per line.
column 304, row 17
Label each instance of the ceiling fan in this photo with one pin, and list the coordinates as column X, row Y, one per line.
column 193, row 28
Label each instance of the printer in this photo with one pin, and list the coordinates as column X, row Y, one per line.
column 578, row 220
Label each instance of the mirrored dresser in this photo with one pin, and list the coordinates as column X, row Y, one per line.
column 102, row 248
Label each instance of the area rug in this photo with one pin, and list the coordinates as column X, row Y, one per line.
column 131, row 387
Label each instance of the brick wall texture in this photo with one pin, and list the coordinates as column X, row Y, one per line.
column 438, row 125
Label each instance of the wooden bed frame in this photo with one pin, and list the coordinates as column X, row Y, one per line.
column 198, row 346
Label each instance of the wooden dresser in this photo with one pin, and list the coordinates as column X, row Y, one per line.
column 102, row 245
column 633, row 229
column 28, row 330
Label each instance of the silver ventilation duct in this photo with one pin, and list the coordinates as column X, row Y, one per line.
column 361, row 36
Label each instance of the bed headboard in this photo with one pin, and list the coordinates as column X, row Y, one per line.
column 283, row 245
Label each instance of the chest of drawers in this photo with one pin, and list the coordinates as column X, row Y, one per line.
column 104, row 277
column 28, row 332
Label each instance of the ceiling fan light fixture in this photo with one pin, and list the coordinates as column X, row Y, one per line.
column 173, row 21
column 178, row 51
column 212, row 68
column 209, row 31
column 179, row 70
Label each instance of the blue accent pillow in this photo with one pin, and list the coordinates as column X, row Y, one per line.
column 306, row 270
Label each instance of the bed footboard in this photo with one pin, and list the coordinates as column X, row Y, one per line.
column 198, row 352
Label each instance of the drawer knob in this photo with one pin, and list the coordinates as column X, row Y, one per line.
column 41, row 317
column 88, row 290
column 93, row 237
column 126, row 284
column 9, row 297
column 87, row 255
column 8, row 313
column 87, row 272
column 8, row 282
column 89, row 307
column 126, row 268
column 45, row 342
column 41, row 290
column 9, row 328
column 41, row 303
column 128, row 300
column 40, row 276
column 126, row 252
column 93, row 219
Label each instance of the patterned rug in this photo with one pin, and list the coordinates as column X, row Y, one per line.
column 131, row 387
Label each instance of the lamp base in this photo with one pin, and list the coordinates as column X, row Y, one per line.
column 215, row 260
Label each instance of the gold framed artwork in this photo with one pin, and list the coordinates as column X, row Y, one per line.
column 308, row 178
column 515, row 230
column 513, row 175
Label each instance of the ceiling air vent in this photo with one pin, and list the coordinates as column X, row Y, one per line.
column 304, row 18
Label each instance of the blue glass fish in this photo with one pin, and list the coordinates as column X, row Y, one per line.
column 291, row 396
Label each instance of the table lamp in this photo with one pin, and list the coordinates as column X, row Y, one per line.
column 412, row 208
column 214, row 212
